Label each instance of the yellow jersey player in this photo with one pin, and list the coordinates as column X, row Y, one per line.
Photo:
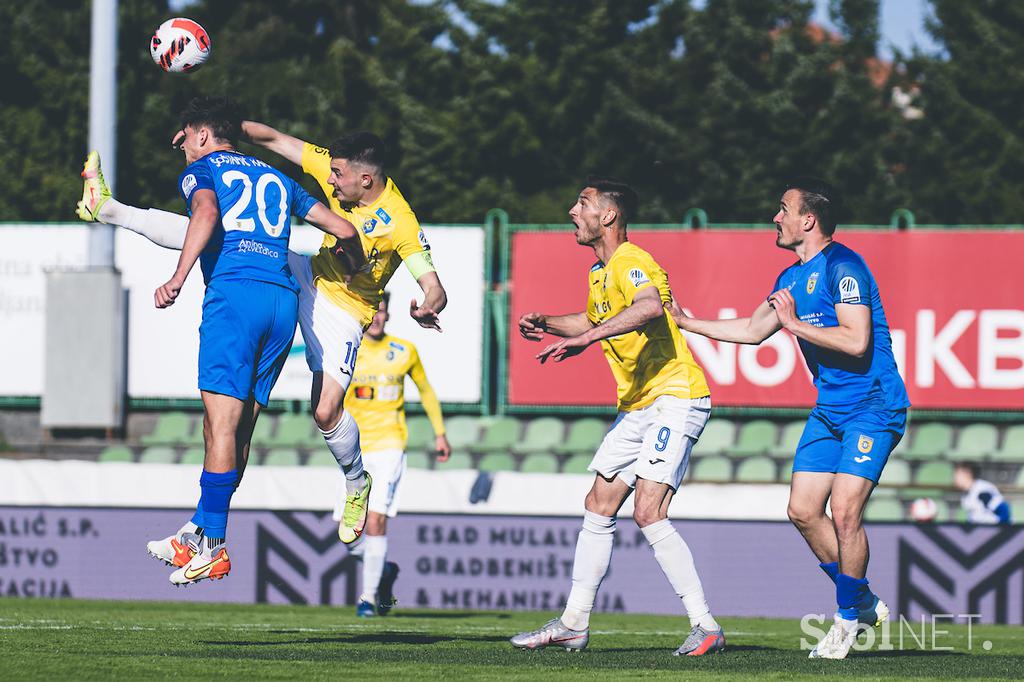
column 376, row 399
column 663, row 402
column 335, row 306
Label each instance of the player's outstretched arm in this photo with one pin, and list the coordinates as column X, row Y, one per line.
column 434, row 301
column 270, row 138
column 533, row 326
column 348, row 245
column 201, row 225
column 851, row 336
column 646, row 306
column 753, row 330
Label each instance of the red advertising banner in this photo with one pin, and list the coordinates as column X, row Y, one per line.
column 954, row 302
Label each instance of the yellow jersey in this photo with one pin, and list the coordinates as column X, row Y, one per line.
column 654, row 360
column 376, row 396
column 388, row 230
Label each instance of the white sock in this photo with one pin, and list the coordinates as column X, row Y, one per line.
column 187, row 528
column 343, row 442
column 375, row 550
column 593, row 555
column 676, row 561
column 160, row 227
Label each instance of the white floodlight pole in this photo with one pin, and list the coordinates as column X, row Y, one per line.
column 103, row 116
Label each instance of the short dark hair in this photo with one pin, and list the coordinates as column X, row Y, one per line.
column 970, row 466
column 220, row 114
column 622, row 195
column 820, row 198
column 361, row 147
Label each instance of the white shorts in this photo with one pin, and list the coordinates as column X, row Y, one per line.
column 332, row 336
column 653, row 443
column 385, row 468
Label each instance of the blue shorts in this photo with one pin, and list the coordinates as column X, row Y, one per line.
column 854, row 442
column 247, row 330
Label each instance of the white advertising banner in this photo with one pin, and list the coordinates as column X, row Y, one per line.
column 163, row 344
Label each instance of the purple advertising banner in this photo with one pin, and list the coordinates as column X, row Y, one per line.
column 749, row 568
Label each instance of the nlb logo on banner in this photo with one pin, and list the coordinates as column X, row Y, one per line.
column 952, row 301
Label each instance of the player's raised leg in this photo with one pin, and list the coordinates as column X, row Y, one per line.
column 590, row 565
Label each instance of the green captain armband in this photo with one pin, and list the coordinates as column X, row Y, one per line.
column 419, row 264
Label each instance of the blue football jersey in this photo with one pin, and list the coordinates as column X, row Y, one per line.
column 256, row 204
column 839, row 275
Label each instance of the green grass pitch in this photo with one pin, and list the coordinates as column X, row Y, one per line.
column 44, row 639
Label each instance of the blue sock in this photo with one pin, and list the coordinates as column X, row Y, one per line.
column 831, row 569
column 199, row 518
column 852, row 594
column 215, row 500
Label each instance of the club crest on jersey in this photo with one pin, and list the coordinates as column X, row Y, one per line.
column 849, row 290
column 864, row 444
column 812, row 281
column 638, row 277
column 368, row 225
column 188, row 183
column 383, row 215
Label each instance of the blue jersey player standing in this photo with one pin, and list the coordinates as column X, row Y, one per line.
column 239, row 224
column 829, row 300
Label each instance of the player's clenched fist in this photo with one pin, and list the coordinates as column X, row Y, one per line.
column 532, row 326
column 164, row 295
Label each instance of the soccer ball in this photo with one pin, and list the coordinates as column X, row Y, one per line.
column 924, row 509
column 180, row 45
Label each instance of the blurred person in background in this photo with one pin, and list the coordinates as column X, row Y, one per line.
column 376, row 400
column 981, row 500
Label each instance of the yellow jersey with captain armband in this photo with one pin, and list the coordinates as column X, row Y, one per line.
column 376, row 397
column 654, row 360
column 389, row 233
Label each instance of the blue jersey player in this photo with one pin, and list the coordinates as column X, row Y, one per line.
column 829, row 300
column 239, row 224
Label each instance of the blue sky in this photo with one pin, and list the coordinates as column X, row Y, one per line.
column 902, row 23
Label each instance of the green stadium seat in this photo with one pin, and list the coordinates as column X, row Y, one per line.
column 421, row 434
column 172, row 428
column 930, row 441
column 499, row 436
column 755, row 438
column 194, row 456
column 976, row 442
column 713, row 469
column 320, row 457
column 883, row 509
column 756, row 470
column 896, row 472
column 1017, row 512
column 540, row 463
column 941, row 511
column 789, row 439
column 1020, row 482
column 463, row 431
column 417, row 460
column 1013, row 446
column 541, row 436
column 262, row 432
column 282, row 457
column 718, row 436
column 158, row 455
column 585, row 435
column 577, row 464
column 496, row 461
column 116, row 453
column 934, row 473
column 786, row 471
column 294, row 431
column 457, row 462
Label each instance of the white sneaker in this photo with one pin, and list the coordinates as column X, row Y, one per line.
column 837, row 641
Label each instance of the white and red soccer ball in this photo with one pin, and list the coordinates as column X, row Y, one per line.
column 924, row 510
column 180, row 45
